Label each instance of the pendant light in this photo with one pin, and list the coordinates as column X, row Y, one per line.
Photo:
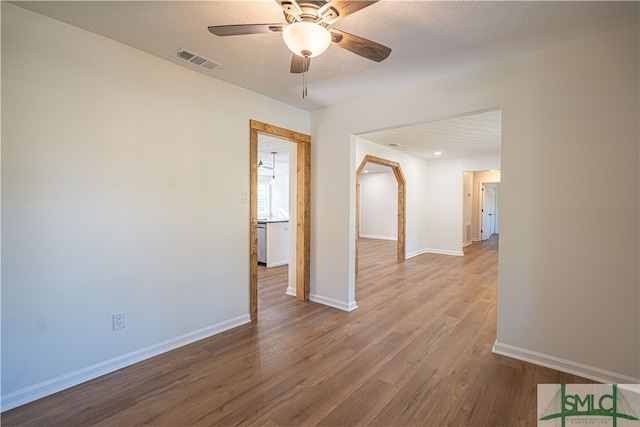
column 273, row 181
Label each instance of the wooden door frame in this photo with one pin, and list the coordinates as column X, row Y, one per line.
column 303, row 229
column 397, row 171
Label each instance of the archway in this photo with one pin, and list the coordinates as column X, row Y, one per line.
column 397, row 171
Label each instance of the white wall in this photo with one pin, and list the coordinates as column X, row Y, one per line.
column 122, row 184
column 444, row 187
column 379, row 205
column 569, row 279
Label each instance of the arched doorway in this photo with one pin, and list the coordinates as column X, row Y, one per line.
column 397, row 171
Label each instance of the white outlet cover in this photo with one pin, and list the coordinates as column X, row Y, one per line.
column 118, row 320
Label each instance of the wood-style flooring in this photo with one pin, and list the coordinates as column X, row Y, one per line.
column 417, row 351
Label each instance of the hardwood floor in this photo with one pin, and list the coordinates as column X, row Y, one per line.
column 417, row 351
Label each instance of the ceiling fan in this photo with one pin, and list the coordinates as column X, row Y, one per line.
column 307, row 32
column 261, row 165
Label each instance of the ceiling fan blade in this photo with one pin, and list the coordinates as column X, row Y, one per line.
column 360, row 46
column 242, row 29
column 338, row 9
column 299, row 64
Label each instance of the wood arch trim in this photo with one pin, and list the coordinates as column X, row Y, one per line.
column 303, row 227
column 397, row 171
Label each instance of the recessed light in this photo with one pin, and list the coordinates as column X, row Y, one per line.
column 437, row 153
column 365, row 171
column 393, row 144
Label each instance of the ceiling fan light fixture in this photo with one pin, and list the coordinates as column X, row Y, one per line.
column 306, row 39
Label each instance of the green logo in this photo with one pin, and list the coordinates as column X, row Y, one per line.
column 610, row 403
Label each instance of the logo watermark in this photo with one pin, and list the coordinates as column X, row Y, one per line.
column 588, row 405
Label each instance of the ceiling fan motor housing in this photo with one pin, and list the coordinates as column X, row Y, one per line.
column 319, row 12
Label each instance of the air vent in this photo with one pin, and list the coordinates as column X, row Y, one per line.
column 393, row 144
column 196, row 60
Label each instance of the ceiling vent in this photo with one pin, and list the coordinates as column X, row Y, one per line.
column 195, row 59
column 393, row 144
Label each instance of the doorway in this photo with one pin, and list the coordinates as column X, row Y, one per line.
column 481, row 205
column 489, row 211
column 397, row 171
column 302, row 225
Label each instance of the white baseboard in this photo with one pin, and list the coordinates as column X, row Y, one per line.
column 54, row 385
column 291, row 291
column 277, row 264
column 433, row 251
column 415, row 253
column 333, row 303
column 373, row 236
column 563, row 365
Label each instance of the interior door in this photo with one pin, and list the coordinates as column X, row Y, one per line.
column 487, row 212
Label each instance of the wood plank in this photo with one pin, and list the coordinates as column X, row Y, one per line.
column 253, row 223
column 360, row 406
column 324, row 396
column 303, row 231
column 283, row 133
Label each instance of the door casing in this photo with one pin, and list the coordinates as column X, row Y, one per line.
column 303, row 228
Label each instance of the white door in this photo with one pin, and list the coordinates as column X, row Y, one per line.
column 495, row 208
column 486, row 212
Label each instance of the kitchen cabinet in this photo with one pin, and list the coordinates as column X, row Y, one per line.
column 273, row 242
column 262, row 243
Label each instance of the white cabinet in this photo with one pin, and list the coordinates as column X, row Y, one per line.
column 277, row 243
column 262, row 243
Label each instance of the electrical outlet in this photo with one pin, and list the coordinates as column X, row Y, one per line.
column 118, row 320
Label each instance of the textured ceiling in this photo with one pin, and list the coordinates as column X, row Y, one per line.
column 464, row 136
column 267, row 145
column 428, row 38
